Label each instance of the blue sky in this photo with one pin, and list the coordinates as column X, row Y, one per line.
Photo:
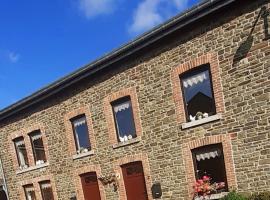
column 44, row 40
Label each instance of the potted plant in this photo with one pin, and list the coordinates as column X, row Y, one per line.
column 203, row 188
column 199, row 115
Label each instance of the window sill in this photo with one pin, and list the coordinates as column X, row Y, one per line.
column 32, row 168
column 213, row 196
column 82, row 155
column 129, row 142
column 201, row 121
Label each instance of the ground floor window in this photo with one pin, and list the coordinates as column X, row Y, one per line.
column 209, row 162
column 46, row 190
column 29, row 192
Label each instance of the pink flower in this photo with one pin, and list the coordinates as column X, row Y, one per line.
column 200, row 181
column 206, row 178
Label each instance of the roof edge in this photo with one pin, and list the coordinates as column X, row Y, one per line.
column 176, row 23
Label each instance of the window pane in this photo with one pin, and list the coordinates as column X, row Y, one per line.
column 38, row 147
column 209, row 161
column 81, row 134
column 46, row 190
column 29, row 192
column 21, row 152
column 198, row 93
column 124, row 120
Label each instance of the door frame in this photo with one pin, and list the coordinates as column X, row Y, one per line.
column 146, row 169
column 77, row 180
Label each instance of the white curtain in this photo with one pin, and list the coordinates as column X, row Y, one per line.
column 21, row 157
column 36, row 137
column 208, row 155
column 79, row 122
column 46, row 186
column 29, row 191
column 121, row 107
column 193, row 80
column 19, row 143
column 19, row 146
column 29, row 197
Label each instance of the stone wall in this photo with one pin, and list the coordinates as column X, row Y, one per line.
column 244, row 115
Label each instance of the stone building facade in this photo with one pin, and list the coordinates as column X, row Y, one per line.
column 230, row 37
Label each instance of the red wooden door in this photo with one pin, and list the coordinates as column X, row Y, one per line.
column 134, row 181
column 90, row 186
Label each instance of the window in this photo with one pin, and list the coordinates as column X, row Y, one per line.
column 21, row 153
column 198, row 93
column 209, row 160
column 29, row 192
column 38, row 147
column 124, row 120
column 46, row 190
column 81, row 134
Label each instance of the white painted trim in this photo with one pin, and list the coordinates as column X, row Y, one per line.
column 82, row 155
column 201, row 121
column 126, row 143
column 32, row 168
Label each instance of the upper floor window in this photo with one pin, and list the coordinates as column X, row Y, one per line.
column 198, row 94
column 21, row 152
column 29, row 191
column 124, row 120
column 38, row 147
column 46, row 190
column 81, row 134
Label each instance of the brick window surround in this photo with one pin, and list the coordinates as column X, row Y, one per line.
column 69, row 130
column 211, row 59
column 78, row 184
column 146, row 169
column 36, row 182
column 27, row 140
column 225, row 140
column 131, row 92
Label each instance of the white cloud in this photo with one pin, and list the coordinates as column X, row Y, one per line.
column 181, row 4
column 93, row 8
column 13, row 57
column 150, row 13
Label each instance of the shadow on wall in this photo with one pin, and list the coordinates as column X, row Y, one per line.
column 245, row 47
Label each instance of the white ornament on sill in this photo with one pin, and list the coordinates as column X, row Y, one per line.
column 23, row 167
column 121, row 139
column 192, row 118
column 130, row 137
column 205, row 115
column 39, row 162
column 85, row 150
column 125, row 138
